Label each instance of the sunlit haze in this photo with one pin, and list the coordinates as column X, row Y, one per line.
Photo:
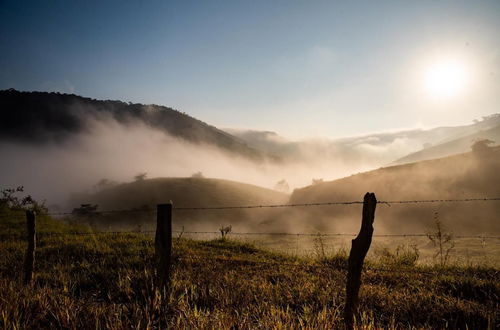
column 307, row 90
column 302, row 69
column 446, row 79
column 249, row 164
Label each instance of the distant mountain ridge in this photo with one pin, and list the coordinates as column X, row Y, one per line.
column 452, row 146
column 378, row 149
column 42, row 117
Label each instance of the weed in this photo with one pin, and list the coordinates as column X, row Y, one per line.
column 225, row 230
column 442, row 240
column 404, row 255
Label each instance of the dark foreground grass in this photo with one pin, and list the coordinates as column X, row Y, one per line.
column 106, row 281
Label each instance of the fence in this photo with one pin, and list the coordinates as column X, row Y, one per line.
column 164, row 233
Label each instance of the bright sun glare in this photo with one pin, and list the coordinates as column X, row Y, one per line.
column 446, row 79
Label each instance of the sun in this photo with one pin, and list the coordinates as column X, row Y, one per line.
column 446, row 79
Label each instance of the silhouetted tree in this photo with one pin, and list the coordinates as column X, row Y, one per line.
column 85, row 210
column 282, row 186
column 482, row 147
column 316, row 181
column 104, row 183
column 197, row 175
column 140, row 176
column 9, row 200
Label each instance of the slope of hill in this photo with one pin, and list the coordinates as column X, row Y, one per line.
column 359, row 153
column 185, row 192
column 39, row 117
column 465, row 175
column 452, row 147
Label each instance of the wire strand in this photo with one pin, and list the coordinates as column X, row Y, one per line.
column 388, row 202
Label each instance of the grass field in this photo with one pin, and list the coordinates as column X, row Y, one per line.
column 106, row 281
column 474, row 251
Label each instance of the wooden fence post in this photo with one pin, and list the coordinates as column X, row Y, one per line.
column 163, row 245
column 359, row 249
column 29, row 259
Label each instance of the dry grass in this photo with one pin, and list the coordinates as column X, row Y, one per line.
column 105, row 281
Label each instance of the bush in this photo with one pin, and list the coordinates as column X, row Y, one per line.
column 404, row 255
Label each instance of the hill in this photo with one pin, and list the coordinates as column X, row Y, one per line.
column 344, row 156
column 465, row 175
column 452, row 147
column 40, row 117
column 184, row 192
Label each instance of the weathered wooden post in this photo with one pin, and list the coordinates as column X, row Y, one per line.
column 163, row 245
column 29, row 259
column 359, row 249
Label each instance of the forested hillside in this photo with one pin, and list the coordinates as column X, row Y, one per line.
column 39, row 117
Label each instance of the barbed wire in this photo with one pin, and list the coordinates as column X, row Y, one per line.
column 323, row 234
column 266, row 206
column 386, row 202
column 440, row 200
column 325, row 265
column 260, row 233
column 338, row 203
column 95, row 233
column 90, row 214
column 101, row 212
column 317, row 235
column 261, row 206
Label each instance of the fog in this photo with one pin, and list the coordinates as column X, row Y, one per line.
column 117, row 151
column 344, row 156
column 63, row 164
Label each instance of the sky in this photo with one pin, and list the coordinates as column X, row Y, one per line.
column 300, row 68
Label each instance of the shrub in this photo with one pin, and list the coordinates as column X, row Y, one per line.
column 404, row 255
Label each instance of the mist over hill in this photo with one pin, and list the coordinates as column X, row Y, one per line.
column 184, row 192
column 40, row 118
column 364, row 152
column 468, row 175
column 58, row 144
column 452, row 146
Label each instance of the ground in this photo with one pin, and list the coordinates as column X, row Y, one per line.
column 106, row 281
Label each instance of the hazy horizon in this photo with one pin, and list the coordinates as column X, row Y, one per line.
column 249, row 164
column 229, row 129
column 321, row 69
column 346, row 87
column 82, row 149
